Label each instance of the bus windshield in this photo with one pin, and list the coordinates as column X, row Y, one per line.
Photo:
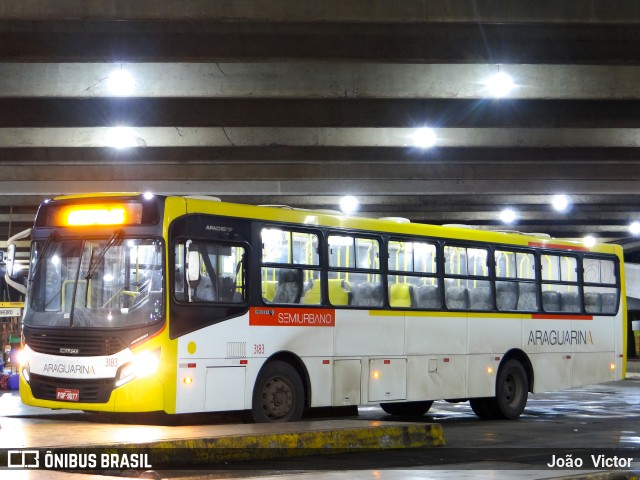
column 110, row 282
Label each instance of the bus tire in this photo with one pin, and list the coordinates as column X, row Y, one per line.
column 485, row 408
column 278, row 395
column 411, row 409
column 512, row 390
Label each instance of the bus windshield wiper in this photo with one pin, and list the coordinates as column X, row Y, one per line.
column 93, row 264
column 52, row 236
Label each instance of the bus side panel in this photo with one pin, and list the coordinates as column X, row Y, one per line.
column 435, row 348
column 232, row 353
column 489, row 339
column 363, row 333
column 550, row 356
column 436, row 377
column 594, row 350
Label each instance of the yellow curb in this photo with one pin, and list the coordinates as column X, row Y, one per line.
column 231, row 448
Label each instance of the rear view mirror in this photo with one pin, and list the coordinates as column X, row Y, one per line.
column 193, row 267
column 11, row 255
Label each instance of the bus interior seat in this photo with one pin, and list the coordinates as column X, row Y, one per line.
column 480, row 298
column 228, row 292
column 609, row 302
column 551, row 301
column 527, row 297
column 339, row 291
column 269, row 289
column 312, row 293
column 593, row 302
column 289, row 288
column 428, row 296
column 456, row 297
column 367, row 294
column 506, row 295
column 570, row 301
column 401, row 295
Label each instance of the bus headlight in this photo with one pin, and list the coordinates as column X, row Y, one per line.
column 143, row 365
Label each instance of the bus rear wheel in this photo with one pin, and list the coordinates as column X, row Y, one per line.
column 411, row 409
column 278, row 395
column 512, row 390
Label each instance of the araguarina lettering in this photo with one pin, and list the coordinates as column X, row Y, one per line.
column 560, row 337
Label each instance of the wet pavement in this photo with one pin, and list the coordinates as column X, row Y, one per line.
column 602, row 421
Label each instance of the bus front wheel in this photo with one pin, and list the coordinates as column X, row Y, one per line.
column 278, row 395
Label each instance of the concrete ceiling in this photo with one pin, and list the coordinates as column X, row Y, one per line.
column 300, row 102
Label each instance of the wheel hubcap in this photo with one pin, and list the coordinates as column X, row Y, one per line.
column 277, row 399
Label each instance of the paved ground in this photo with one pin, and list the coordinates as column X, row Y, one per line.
column 577, row 423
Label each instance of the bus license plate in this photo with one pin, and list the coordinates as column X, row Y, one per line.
column 67, row 394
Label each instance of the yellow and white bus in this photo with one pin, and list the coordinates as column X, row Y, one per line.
column 189, row 304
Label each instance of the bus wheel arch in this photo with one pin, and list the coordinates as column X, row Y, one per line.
column 514, row 381
column 281, row 391
column 523, row 358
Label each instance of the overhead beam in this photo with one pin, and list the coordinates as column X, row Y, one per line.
column 274, row 188
column 140, row 137
column 324, row 80
column 569, row 174
column 408, row 11
column 436, row 42
column 324, row 113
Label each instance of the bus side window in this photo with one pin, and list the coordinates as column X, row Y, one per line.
column 209, row 272
column 290, row 272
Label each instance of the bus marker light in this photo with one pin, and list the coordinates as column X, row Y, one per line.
column 612, row 366
column 191, row 365
column 387, row 362
column 187, row 380
column 446, row 359
column 326, row 362
column 489, row 370
column 244, row 362
column 375, row 374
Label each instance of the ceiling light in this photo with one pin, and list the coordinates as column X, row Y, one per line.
column 508, row 216
column 560, row 202
column 589, row 241
column 424, row 137
column 121, row 137
column 349, row 204
column 634, row 228
column 499, row 85
column 121, row 82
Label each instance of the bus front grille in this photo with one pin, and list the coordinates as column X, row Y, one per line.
column 89, row 391
column 74, row 346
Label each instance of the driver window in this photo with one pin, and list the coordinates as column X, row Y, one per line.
column 207, row 272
